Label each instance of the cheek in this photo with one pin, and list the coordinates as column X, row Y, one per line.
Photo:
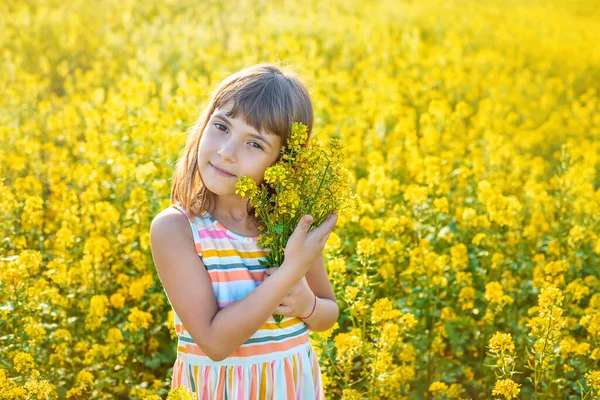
column 204, row 141
column 207, row 144
column 259, row 172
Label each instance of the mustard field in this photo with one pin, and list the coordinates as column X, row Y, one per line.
column 472, row 131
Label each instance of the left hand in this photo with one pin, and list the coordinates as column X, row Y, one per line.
column 298, row 302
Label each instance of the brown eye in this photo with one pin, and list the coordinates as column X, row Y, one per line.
column 218, row 125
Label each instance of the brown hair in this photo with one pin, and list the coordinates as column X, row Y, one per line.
column 268, row 98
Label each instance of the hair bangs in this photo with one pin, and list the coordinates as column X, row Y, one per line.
column 263, row 104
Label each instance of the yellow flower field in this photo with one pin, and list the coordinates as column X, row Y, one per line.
column 472, row 130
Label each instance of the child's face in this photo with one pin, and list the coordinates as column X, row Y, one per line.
column 231, row 145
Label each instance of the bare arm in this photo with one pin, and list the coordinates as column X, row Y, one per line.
column 326, row 310
column 189, row 289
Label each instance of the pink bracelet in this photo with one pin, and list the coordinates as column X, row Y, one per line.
column 313, row 310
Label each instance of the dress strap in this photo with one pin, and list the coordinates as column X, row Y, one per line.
column 197, row 243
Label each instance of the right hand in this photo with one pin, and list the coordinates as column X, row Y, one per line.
column 304, row 247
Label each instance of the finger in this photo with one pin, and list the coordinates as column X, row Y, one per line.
column 326, row 227
column 283, row 310
column 302, row 226
column 305, row 222
column 333, row 218
column 330, row 222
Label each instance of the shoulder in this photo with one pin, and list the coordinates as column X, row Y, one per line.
column 170, row 223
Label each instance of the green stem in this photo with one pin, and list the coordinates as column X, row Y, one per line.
column 319, row 189
column 540, row 373
column 373, row 383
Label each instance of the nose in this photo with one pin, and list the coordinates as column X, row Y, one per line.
column 227, row 150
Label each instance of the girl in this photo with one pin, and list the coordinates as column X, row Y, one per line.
column 228, row 344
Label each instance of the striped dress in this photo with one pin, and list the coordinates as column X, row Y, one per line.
column 275, row 363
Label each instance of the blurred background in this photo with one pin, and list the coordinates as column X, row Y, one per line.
column 471, row 129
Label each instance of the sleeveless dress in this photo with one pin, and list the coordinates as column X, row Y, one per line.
column 275, row 363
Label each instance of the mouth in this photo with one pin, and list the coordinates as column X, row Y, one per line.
column 221, row 172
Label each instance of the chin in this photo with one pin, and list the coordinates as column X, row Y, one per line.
column 219, row 188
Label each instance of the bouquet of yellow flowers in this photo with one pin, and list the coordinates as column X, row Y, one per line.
column 309, row 178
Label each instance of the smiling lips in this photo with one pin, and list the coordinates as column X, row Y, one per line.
column 221, row 172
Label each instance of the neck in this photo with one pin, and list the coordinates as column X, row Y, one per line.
column 233, row 208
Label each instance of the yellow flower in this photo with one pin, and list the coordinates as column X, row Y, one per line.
column 438, row 388
column 467, row 296
column 416, row 195
column 351, row 394
column 567, row 368
column 287, row 202
column 438, row 346
column 593, row 379
column 501, row 343
column 368, row 224
column 550, row 296
column 30, row 261
column 494, row 292
column 32, row 216
column 460, row 258
column 298, row 137
column 139, row 286
column 507, row 388
column 441, row 204
column 95, row 317
column 144, row 171
column 351, row 293
column 23, row 361
column 554, row 268
column 478, row 238
column 35, row 332
column 117, row 300
column 114, row 336
column 336, row 266
column 64, row 239
column 468, row 373
column 464, row 277
column 347, row 346
column 276, row 174
column 577, row 290
column 582, row 349
column 245, row 185
column 40, row 389
column 408, row 321
column 366, row 248
column 383, row 311
column 389, row 334
column 139, row 319
column 391, row 225
column 447, row 314
column 455, row 391
column 333, row 242
column 62, row 334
